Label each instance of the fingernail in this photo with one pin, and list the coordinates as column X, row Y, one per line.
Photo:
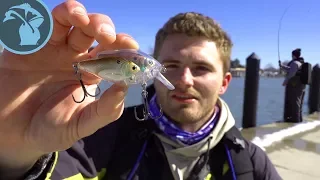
column 135, row 43
column 108, row 29
column 79, row 11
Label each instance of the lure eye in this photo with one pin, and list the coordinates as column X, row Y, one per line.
column 163, row 69
column 150, row 62
column 134, row 68
column 118, row 61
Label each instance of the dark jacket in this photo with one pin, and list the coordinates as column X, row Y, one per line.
column 112, row 153
column 92, row 156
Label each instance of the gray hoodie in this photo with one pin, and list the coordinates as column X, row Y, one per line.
column 291, row 70
column 183, row 157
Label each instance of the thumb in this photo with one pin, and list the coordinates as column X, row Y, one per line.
column 103, row 111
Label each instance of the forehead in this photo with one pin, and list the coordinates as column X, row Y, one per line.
column 180, row 47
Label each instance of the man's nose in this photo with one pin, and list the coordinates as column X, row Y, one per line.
column 185, row 77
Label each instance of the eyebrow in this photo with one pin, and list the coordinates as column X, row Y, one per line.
column 170, row 61
column 198, row 62
column 204, row 63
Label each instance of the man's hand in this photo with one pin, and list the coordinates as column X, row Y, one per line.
column 279, row 62
column 37, row 112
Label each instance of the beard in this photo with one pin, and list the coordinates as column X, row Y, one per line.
column 188, row 114
column 192, row 115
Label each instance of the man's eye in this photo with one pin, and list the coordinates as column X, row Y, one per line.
column 203, row 68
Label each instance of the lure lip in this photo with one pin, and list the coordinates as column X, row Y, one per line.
column 165, row 81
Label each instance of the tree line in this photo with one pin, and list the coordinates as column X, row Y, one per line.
column 268, row 67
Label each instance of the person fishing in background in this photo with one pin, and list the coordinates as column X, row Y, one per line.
column 295, row 87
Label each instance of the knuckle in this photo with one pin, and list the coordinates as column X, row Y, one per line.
column 67, row 7
column 71, row 5
column 78, row 48
column 57, row 9
column 98, row 18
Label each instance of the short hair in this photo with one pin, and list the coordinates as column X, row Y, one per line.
column 196, row 24
column 296, row 53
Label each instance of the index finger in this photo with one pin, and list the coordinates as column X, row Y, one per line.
column 66, row 15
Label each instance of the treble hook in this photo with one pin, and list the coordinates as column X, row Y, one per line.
column 146, row 112
column 86, row 94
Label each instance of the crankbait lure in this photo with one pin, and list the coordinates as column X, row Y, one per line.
column 150, row 68
column 127, row 65
column 111, row 69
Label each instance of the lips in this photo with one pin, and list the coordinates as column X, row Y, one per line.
column 183, row 97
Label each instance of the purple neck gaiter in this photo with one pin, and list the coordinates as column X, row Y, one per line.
column 175, row 133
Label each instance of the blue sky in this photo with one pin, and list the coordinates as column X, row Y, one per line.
column 252, row 24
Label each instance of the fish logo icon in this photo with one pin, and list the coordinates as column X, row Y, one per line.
column 25, row 27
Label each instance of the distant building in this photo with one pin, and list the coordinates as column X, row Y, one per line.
column 241, row 72
column 238, row 72
column 271, row 72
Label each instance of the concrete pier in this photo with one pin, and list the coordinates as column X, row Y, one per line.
column 294, row 148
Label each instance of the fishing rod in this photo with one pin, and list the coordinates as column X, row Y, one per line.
column 280, row 23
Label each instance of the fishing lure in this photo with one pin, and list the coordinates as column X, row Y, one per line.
column 127, row 65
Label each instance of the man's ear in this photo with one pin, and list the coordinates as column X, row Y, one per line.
column 225, row 83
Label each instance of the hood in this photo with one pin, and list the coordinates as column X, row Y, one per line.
column 300, row 59
column 225, row 122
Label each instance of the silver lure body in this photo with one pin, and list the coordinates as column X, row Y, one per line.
column 150, row 68
column 111, row 69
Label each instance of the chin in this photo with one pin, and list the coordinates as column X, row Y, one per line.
column 186, row 114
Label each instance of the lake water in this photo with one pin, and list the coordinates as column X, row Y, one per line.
column 270, row 99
